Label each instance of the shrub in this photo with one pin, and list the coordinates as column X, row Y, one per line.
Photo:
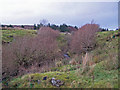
column 84, row 39
column 48, row 32
column 9, row 65
column 27, row 51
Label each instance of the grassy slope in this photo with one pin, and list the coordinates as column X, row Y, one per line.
column 106, row 58
column 8, row 35
column 105, row 74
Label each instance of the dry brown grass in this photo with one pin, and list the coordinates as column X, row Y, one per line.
column 73, row 62
column 58, row 64
column 87, row 62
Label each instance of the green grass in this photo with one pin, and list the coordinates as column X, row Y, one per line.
column 70, row 78
column 66, row 68
column 8, row 35
column 105, row 55
column 106, row 46
column 105, row 73
column 103, row 79
column 61, row 40
column 25, row 82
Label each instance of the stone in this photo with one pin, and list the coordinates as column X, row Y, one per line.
column 56, row 83
column 10, row 36
column 39, row 81
column 66, row 56
column 67, row 77
column 59, row 74
column 44, row 78
column 31, row 85
column 32, row 77
column 67, row 72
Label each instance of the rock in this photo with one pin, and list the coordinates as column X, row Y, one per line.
column 116, row 35
column 53, row 78
column 32, row 77
column 10, row 36
column 38, row 81
column 31, row 85
column 66, row 56
column 67, row 77
column 113, row 36
column 59, row 74
column 44, row 78
column 15, row 85
column 56, row 83
column 67, row 72
column 53, row 81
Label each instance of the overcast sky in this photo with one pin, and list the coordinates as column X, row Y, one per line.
column 67, row 11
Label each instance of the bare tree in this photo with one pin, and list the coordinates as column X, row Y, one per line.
column 44, row 22
column 84, row 39
column 28, row 51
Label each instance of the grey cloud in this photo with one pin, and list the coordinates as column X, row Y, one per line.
column 73, row 13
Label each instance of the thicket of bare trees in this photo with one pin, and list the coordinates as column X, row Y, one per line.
column 84, row 39
column 43, row 48
column 27, row 51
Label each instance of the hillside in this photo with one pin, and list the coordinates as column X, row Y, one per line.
column 101, row 70
column 8, row 35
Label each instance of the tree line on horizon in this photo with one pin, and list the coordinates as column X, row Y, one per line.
column 61, row 28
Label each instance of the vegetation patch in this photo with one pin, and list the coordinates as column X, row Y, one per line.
column 94, row 68
column 9, row 35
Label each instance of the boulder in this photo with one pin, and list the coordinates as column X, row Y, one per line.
column 44, row 78
column 39, row 81
column 56, row 83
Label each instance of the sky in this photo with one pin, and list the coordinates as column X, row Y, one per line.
column 70, row 12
